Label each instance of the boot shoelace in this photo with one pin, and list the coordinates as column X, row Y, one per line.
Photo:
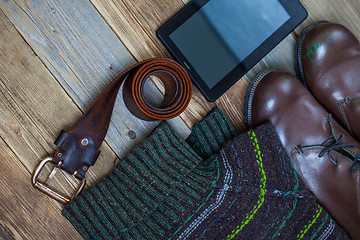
column 332, row 144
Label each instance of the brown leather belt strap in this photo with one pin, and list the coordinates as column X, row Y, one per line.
column 79, row 147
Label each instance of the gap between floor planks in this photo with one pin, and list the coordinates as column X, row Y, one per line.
column 352, row 21
column 25, row 212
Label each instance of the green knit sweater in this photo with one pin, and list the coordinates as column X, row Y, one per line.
column 211, row 186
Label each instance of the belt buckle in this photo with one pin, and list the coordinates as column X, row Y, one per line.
column 42, row 186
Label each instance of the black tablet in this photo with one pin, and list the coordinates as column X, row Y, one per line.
column 218, row 41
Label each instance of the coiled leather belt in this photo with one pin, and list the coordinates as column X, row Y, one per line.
column 79, row 147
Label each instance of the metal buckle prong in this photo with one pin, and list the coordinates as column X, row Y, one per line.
column 52, row 174
column 48, row 191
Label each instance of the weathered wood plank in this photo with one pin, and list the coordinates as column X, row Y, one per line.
column 136, row 39
column 84, row 55
column 29, row 116
column 346, row 12
column 25, row 213
column 34, row 108
column 136, row 23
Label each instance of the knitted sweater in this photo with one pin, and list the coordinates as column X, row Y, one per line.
column 207, row 187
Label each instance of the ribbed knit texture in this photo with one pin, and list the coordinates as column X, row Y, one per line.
column 159, row 181
column 168, row 188
column 258, row 195
column 210, row 134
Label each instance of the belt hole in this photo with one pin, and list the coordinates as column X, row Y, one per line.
column 162, row 93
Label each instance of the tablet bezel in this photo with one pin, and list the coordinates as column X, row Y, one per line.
column 297, row 14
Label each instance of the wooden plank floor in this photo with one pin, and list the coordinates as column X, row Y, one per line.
column 56, row 56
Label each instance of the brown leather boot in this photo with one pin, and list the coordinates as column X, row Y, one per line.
column 322, row 153
column 328, row 63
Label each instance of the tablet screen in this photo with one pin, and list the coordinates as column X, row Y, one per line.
column 224, row 32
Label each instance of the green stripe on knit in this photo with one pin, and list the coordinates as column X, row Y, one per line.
column 172, row 208
column 201, row 142
column 93, row 200
column 135, row 206
column 148, row 192
column 216, row 129
column 81, row 222
column 156, row 179
column 311, row 222
column 285, row 219
column 192, row 215
column 320, row 227
column 130, row 202
column 96, row 221
column 179, row 160
column 214, row 136
column 149, row 189
column 108, row 189
column 176, row 152
column 148, row 196
column 146, row 174
column 296, row 187
column 168, row 136
column 262, row 188
column 146, row 231
column 159, row 224
column 160, row 164
column 206, row 169
column 213, row 184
